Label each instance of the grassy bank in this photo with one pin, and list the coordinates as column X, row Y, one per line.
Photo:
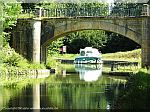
column 11, row 59
column 134, row 55
column 131, row 56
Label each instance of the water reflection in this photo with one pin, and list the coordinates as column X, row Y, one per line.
column 36, row 97
column 87, row 90
column 89, row 72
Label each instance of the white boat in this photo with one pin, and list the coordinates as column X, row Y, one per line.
column 89, row 55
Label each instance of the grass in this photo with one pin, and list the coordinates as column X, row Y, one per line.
column 131, row 56
column 134, row 55
column 67, row 56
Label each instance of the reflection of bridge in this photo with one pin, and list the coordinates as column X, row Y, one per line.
column 31, row 36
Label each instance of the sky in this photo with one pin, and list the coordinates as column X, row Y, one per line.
column 110, row 1
column 132, row 1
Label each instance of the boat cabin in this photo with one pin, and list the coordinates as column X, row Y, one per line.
column 90, row 52
column 88, row 55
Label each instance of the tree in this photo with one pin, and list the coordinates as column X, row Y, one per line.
column 28, row 5
column 77, row 40
column 116, row 42
column 54, row 47
column 8, row 17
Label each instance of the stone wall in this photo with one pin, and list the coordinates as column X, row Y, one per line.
column 146, row 42
column 22, row 38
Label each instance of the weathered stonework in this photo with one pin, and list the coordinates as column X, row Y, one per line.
column 145, row 42
column 36, row 41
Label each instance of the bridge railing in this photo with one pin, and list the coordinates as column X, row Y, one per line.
column 65, row 12
column 87, row 12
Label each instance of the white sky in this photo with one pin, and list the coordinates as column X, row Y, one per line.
column 110, row 1
column 132, row 1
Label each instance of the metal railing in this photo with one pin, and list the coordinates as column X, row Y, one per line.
column 65, row 12
column 87, row 12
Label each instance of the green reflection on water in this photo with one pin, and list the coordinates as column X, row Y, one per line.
column 6, row 94
column 66, row 92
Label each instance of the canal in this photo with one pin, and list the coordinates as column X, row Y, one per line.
column 71, row 87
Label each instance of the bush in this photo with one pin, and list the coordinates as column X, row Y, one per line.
column 136, row 94
column 12, row 59
column 51, row 63
column 36, row 66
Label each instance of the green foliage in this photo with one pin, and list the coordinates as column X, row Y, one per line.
column 36, row 66
column 5, row 38
column 51, row 62
column 8, row 18
column 10, row 57
column 54, row 47
column 28, row 5
column 116, row 43
column 136, row 94
column 10, row 13
column 82, row 39
column 134, row 55
column 67, row 56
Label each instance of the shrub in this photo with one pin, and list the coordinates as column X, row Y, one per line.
column 136, row 94
column 51, row 62
column 12, row 59
column 36, row 66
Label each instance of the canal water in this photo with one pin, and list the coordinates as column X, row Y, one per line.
column 72, row 87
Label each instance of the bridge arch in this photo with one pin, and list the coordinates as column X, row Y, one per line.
column 69, row 27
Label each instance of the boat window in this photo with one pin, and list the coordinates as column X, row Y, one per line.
column 82, row 53
column 89, row 52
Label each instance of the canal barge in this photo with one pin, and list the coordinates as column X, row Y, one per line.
column 89, row 55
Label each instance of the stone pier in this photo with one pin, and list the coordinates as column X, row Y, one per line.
column 145, row 42
column 36, row 41
column 43, row 54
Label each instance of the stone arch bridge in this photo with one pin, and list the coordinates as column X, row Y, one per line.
column 31, row 36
